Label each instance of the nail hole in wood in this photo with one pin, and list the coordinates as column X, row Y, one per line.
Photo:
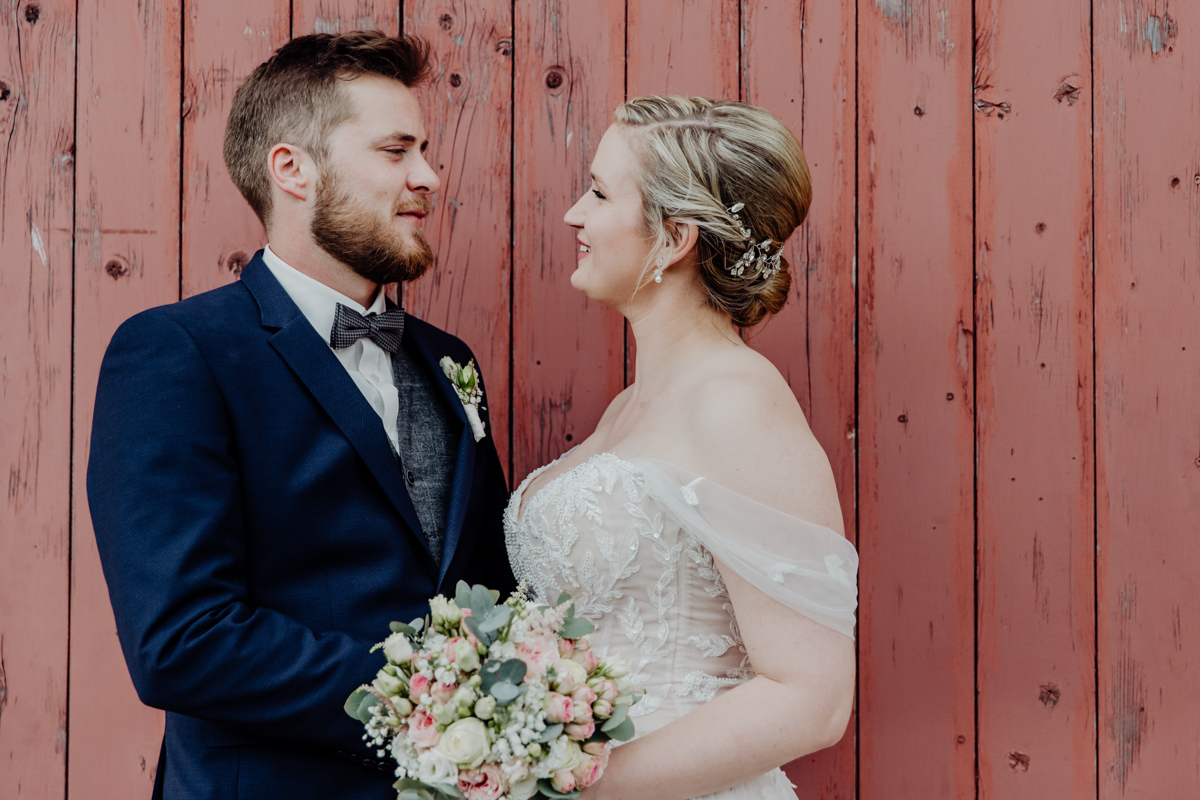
column 1018, row 761
column 902, row 418
column 32, row 12
column 961, row 739
column 920, row 112
column 949, row 395
column 455, row 80
column 1049, row 693
column 117, row 268
column 446, row 22
column 1040, row 228
column 1174, row 182
column 570, row 437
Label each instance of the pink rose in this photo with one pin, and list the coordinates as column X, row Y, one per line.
column 422, row 729
column 558, row 708
column 580, row 711
column 538, row 652
column 606, row 690
column 565, row 647
column 596, row 749
column 448, row 650
column 584, row 694
column 442, row 692
column 485, row 783
column 580, row 730
column 602, row 709
column 418, row 687
column 563, row 781
column 585, row 658
column 591, row 769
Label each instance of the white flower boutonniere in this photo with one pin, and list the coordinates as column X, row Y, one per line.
column 466, row 385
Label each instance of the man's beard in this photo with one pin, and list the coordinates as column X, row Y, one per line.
column 355, row 236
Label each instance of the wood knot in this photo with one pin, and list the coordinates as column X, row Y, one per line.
column 5, row 92
column 1049, row 693
column 32, row 12
column 445, row 22
column 117, row 268
column 1174, row 182
column 554, row 79
column 1040, row 228
column 235, row 262
column 504, row 47
column 1067, row 92
column 455, row 80
column 1019, row 762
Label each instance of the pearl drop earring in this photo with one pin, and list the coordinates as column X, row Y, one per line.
column 659, row 271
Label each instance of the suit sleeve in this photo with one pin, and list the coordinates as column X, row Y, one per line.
column 165, row 498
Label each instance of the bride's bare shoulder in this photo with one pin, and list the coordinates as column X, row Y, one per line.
column 746, row 431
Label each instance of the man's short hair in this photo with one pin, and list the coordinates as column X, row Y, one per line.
column 295, row 97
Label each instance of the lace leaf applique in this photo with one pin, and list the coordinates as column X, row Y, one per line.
column 689, row 493
column 712, row 645
column 704, row 687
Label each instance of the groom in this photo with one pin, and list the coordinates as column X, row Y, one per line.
column 279, row 467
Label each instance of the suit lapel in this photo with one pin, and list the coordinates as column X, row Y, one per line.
column 464, row 461
column 318, row 368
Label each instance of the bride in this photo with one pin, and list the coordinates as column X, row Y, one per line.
column 698, row 527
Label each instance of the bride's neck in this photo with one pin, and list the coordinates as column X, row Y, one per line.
column 674, row 333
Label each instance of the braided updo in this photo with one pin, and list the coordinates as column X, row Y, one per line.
column 701, row 157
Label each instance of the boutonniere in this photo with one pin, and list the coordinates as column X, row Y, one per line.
column 465, row 381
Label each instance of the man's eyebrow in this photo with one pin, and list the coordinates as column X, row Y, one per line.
column 398, row 137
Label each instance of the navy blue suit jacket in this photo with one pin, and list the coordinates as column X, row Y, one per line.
column 257, row 537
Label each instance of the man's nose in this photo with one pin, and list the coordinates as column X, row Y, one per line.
column 423, row 179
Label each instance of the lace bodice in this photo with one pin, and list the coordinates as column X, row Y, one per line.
column 633, row 542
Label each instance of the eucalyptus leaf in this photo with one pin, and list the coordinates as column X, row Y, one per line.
column 355, row 700
column 513, row 671
column 562, row 598
column 488, row 673
column 623, row 732
column 551, row 733
column 576, row 627
column 547, row 788
column 414, row 794
column 481, row 600
column 495, row 593
column 505, row 692
column 400, row 627
column 462, row 595
column 417, row 625
column 620, row 712
column 484, row 636
column 364, row 707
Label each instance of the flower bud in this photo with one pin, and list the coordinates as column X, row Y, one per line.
column 534, row 749
column 398, row 649
column 403, row 706
column 595, row 748
column 566, row 647
column 558, row 708
column 563, row 781
column 388, row 685
column 485, row 707
column 602, row 709
column 584, row 694
column 581, row 711
column 580, row 730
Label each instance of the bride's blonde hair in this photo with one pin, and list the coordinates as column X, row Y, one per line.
column 699, row 158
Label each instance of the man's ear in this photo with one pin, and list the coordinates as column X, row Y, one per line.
column 292, row 170
column 684, row 236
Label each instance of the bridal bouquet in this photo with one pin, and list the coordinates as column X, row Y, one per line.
column 494, row 701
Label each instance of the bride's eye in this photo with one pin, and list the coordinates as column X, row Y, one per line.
column 599, row 194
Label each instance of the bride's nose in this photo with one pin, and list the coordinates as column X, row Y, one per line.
column 574, row 215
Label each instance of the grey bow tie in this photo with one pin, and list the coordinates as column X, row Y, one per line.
column 384, row 329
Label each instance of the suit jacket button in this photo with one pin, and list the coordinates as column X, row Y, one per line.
column 412, row 479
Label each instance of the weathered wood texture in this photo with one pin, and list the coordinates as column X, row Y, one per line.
column 37, row 182
column 1147, row 146
column 1033, row 311
column 916, row 431
column 568, row 353
column 798, row 62
column 224, row 40
column 126, row 259
column 993, row 333
column 468, row 118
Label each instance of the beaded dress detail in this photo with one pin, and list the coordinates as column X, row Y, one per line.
column 633, row 542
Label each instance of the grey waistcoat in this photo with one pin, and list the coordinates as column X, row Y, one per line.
column 426, row 432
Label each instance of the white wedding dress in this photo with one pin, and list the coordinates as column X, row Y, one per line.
column 633, row 541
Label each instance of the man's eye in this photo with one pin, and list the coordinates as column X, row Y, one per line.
column 398, row 151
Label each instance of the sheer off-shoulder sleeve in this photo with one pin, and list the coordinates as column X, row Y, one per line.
column 807, row 567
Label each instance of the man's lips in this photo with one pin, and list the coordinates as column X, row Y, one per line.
column 414, row 215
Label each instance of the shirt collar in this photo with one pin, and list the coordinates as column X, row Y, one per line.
column 315, row 300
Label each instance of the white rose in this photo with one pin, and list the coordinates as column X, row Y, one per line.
column 388, row 685
column 466, row 656
column 523, row 790
column 465, row 743
column 397, row 649
column 444, row 612
column 435, row 767
column 564, row 755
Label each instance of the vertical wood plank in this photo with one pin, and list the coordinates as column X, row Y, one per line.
column 1036, row 667
column 37, row 181
column 224, row 40
column 343, row 16
column 683, row 48
column 915, row 354
column 799, row 62
column 568, row 352
column 1147, row 383
column 468, row 118
column 127, row 259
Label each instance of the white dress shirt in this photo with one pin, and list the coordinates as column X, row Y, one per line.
column 369, row 365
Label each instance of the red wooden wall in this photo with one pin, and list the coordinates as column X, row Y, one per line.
column 994, row 330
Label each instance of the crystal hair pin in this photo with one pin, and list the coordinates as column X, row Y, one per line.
column 755, row 253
